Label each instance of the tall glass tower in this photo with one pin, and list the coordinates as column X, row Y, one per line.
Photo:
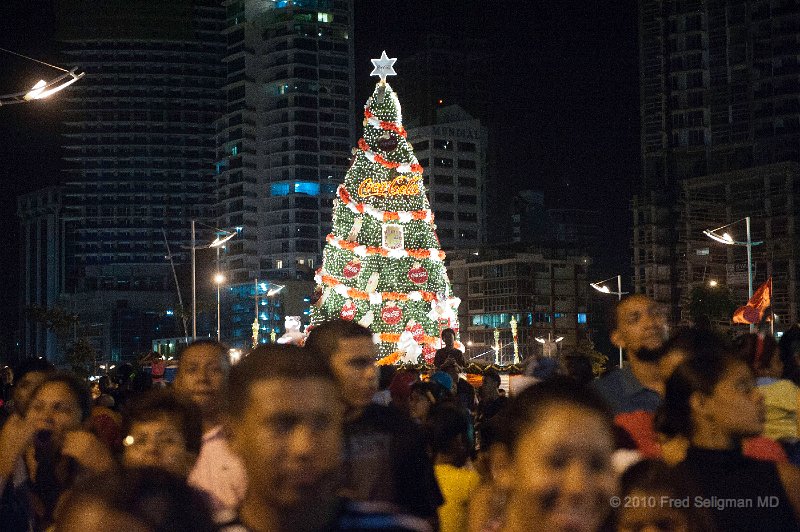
column 283, row 144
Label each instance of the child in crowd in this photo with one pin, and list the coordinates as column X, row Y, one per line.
column 781, row 396
column 450, row 440
column 162, row 430
column 651, row 498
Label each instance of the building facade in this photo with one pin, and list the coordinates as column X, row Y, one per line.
column 41, row 266
column 545, row 290
column 770, row 196
column 284, row 141
column 719, row 94
column 453, row 153
column 139, row 147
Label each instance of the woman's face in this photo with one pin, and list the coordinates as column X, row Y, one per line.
column 736, row 406
column 560, row 474
column 55, row 408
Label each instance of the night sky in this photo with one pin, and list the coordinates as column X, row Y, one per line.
column 566, row 99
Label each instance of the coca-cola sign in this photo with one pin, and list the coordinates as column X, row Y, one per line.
column 418, row 275
column 351, row 269
column 391, row 315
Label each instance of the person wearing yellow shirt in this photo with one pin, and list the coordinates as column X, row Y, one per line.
column 449, row 429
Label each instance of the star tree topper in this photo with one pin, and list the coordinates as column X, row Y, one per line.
column 383, row 67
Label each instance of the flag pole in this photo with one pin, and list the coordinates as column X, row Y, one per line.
column 749, row 266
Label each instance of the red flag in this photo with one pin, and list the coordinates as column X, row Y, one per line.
column 753, row 311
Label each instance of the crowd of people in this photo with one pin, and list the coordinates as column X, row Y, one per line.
column 696, row 432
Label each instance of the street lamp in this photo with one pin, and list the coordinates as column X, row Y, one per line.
column 271, row 291
column 218, row 280
column 42, row 89
column 222, row 238
column 726, row 239
column 549, row 344
column 600, row 286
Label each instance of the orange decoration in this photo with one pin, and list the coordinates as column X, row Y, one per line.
column 390, row 126
column 475, row 380
column 389, row 359
column 359, row 294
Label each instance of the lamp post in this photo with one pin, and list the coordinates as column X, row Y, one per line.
column 726, row 239
column 549, row 344
column 271, row 291
column 218, row 280
column 222, row 238
column 600, row 286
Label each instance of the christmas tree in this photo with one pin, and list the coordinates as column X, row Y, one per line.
column 383, row 265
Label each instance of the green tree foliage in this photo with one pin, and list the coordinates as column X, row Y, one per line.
column 710, row 304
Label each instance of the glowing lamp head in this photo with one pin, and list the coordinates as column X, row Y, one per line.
column 219, row 278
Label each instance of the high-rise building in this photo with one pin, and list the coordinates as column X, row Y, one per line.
column 453, row 153
column 139, row 140
column 719, row 94
column 284, row 141
column 544, row 289
column 41, row 264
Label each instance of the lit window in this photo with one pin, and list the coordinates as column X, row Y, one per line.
column 279, row 264
column 324, row 17
column 581, row 317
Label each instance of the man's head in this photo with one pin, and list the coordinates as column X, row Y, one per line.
column 448, row 337
column 162, row 430
column 490, row 385
column 350, row 351
column 639, row 326
column 285, row 421
column 29, row 374
column 202, row 370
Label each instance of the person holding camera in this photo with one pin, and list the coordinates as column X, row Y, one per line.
column 44, row 451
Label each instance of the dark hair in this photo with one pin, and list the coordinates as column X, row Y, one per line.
column 654, row 476
column 161, row 501
column 272, row 361
column 527, row 407
column 32, row 364
column 385, row 375
column 437, row 391
column 324, row 338
column 790, row 344
column 76, row 386
column 450, row 333
column 445, row 423
column 757, row 350
column 156, row 403
column 579, row 368
column 699, row 373
column 492, row 375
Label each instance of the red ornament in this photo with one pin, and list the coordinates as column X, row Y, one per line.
column 391, row 314
column 352, row 269
column 344, row 195
column 348, row 311
column 428, row 353
column 416, row 330
column 417, row 274
column 387, row 142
